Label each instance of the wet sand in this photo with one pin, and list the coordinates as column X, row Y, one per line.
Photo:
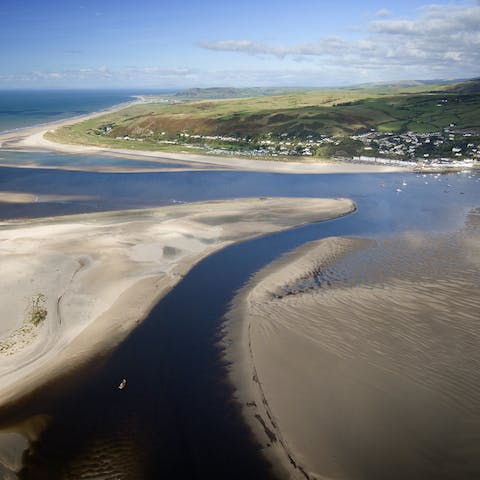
column 358, row 359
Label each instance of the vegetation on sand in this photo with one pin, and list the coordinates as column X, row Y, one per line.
column 21, row 337
column 37, row 311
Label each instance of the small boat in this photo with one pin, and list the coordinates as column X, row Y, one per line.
column 399, row 190
column 123, row 384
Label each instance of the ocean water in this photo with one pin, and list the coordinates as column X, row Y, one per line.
column 23, row 108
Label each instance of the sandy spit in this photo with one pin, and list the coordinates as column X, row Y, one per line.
column 18, row 197
column 102, row 273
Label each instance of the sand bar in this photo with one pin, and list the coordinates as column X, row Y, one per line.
column 19, row 197
column 355, row 358
column 101, row 273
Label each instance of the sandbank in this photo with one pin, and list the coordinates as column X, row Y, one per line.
column 102, row 273
column 355, row 358
column 19, row 197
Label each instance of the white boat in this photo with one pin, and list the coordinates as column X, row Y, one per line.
column 123, row 384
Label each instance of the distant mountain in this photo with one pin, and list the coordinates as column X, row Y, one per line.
column 407, row 83
column 231, row 92
column 470, row 86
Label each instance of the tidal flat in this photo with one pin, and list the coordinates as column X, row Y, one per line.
column 358, row 358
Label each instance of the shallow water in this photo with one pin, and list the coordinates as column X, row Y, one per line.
column 176, row 419
column 46, row 159
column 427, row 207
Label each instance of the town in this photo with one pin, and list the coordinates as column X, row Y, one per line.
column 449, row 147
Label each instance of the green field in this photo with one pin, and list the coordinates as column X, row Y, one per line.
column 301, row 115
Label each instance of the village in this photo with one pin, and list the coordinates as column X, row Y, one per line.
column 446, row 148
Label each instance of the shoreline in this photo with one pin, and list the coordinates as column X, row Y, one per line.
column 32, row 138
column 102, row 274
column 71, row 120
column 237, row 341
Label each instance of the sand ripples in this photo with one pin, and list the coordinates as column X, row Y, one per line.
column 379, row 347
column 116, row 454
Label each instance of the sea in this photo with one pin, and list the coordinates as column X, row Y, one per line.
column 24, row 108
column 178, row 417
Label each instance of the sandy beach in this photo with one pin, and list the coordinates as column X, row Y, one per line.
column 19, row 134
column 101, row 273
column 355, row 358
column 32, row 138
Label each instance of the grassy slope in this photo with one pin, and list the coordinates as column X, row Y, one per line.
column 225, row 92
column 333, row 112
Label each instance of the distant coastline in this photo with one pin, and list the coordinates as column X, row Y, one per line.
column 19, row 132
column 33, row 138
column 32, row 108
column 327, row 131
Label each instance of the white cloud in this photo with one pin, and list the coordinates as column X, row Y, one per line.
column 103, row 75
column 384, row 12
column 441, row 38
column 180, row 77
column 441, row 41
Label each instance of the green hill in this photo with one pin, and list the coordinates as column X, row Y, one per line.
column 298, row 114
column 230, row 92
column 471, row 86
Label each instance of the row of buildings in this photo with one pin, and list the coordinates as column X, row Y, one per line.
column 447, row 146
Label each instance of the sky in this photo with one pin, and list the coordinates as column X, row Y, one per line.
column 167, row 44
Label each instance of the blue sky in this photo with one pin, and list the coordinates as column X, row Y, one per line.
column 161, row 44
